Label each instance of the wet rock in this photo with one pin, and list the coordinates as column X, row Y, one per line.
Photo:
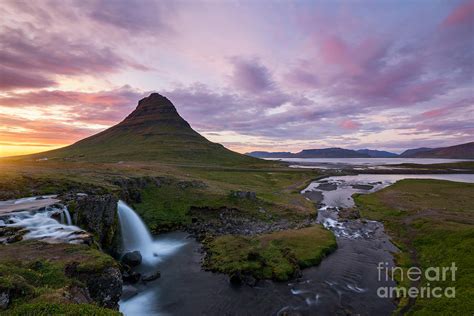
column 97, row 214
column 314, row 196
column 362, row 186
column 151, row 277
column 132, row 259
column 4, row 299
column 131, row 277
column 128, row 291
column 9, row 235
column 235, row 278
column 349, row 213
column 327, row 186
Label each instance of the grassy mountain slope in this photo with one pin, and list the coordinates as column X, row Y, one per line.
column 154, row 131
column 462, row 151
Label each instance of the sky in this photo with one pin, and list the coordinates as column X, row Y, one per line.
column 252, row 75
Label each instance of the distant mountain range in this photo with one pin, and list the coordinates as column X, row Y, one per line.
column 463, row 151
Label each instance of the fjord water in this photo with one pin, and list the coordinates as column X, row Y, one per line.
column 368, row 161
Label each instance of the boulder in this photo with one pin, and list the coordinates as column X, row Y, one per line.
column 131, row 277
column 132, row 259
column 151, row 277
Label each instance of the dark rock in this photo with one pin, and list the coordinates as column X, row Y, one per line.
column 131, row 277
column 97, row 214
column 4, row 299
column 132, row 187
column 128, row 291
column 132, row 259
column 244, row 195
column 362, row 186
column 151, row 277
column 235, row 278
column 104, row 287
column 327, row 186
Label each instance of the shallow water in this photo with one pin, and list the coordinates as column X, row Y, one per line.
column 40, row 224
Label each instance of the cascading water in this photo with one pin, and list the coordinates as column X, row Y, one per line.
column 135, row 236
column 68, row 216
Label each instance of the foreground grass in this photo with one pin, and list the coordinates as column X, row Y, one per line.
column 48, row 309
column 432, row 222
column 34, row 274
column 277, row 255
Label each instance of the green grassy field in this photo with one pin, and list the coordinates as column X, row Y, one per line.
column 432, row 222
column 277, row 255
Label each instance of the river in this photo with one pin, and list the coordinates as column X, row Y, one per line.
column 345, row 282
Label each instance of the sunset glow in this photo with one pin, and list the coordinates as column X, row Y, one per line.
column 279, row 76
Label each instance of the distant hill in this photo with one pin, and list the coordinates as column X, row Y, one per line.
column 411, row 152
column 330, row 153
column 311, row 153
column 153, row 131
column 463, row 151
column 266, row 154
column 377, row 153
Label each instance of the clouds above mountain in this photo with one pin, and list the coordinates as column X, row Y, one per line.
column 252, row 75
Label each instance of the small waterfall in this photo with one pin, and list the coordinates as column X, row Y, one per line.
column 68, row 216
column 135, row 235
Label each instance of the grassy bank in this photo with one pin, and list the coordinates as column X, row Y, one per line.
column 36, row 278
column 277, row 255
column 432, row 222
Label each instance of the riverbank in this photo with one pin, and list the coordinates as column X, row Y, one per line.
column 432, row 222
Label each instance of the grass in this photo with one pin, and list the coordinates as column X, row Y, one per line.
column 47, row 309
column 277, row 255
column 34, row 273
column 432, row 221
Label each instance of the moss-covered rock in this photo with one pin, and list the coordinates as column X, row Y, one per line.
column 37, row 272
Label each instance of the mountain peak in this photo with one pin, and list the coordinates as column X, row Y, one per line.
column 154, row 131
column 152, row 110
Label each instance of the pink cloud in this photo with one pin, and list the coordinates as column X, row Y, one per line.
column 349, row 124
column 460, row 15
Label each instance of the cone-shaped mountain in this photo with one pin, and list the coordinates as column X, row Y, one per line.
column 153, row 131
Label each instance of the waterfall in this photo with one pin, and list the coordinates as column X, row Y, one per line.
column 135, row 235
column 68, row 216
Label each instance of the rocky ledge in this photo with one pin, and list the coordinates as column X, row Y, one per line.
column 207, row 222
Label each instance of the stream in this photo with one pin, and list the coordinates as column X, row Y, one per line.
column 345, row 282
